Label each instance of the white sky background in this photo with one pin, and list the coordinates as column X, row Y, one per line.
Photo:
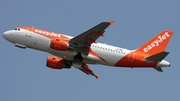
column 25, row 77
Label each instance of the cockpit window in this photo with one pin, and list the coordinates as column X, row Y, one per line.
column 17, row 29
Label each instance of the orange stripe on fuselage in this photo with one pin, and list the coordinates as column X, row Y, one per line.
column 137, row 61
column 45, row 33
column 94, row 54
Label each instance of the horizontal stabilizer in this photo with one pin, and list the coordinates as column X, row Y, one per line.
column 157, row 57
column 158, row 69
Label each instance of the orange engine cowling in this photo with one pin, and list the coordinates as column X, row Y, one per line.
column 58, row 44
column 56, row 63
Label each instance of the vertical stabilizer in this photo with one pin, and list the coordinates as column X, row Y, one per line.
column 157, row 44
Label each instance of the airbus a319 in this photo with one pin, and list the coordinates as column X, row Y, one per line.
column 81, row 50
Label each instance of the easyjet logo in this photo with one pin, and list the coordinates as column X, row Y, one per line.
column 51, row 34
column 157, row 42
column 47, row 33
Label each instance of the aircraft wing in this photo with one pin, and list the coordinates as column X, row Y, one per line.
column 87, row 70
column 88, row 37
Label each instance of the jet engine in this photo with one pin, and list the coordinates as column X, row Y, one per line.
column 58, row 44
column 56, row 63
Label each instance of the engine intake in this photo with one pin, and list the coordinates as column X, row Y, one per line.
column 56, row 63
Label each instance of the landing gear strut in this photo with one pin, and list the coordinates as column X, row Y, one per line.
column 77, row 62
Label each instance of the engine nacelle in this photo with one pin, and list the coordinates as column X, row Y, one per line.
column 56, row 63
column 58, row 44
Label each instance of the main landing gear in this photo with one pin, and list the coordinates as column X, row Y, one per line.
column 77, row 62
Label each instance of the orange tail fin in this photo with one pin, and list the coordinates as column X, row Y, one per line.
column 156, row 44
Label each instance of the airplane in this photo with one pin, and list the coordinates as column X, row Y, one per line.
column 83, row 49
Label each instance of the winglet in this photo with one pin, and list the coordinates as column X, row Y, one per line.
column 97, row 76
column 111, row 22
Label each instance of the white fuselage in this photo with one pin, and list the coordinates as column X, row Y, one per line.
column 36, row 41
column 83, row 49
column 99, row 53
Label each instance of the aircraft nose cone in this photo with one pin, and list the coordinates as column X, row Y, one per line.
column 5, row 35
